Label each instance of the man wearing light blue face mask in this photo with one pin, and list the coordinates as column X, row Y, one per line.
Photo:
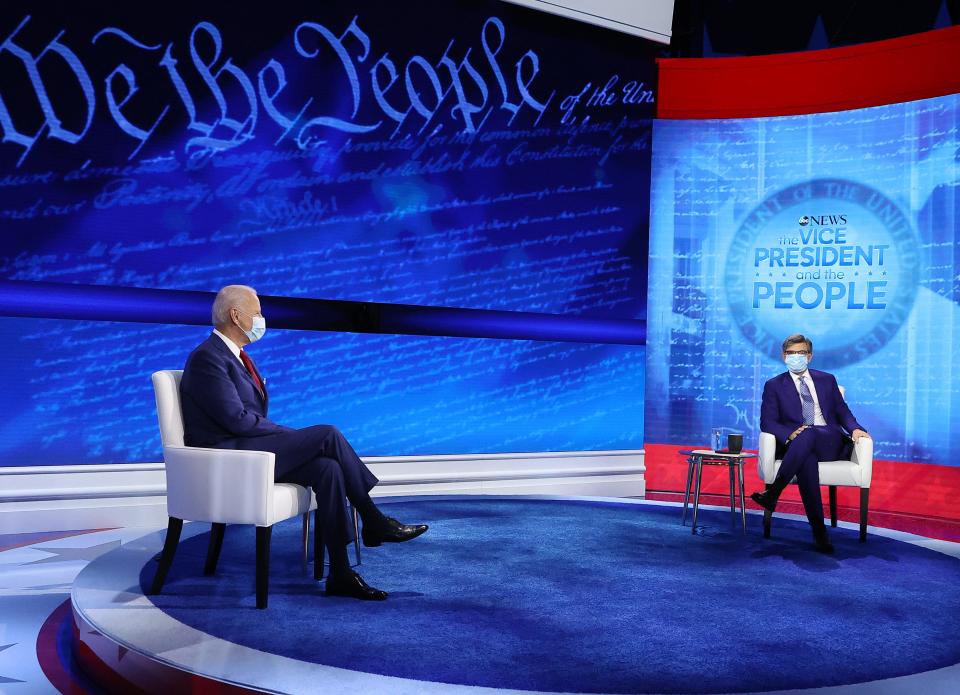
column 224, row 400
column 804, row 409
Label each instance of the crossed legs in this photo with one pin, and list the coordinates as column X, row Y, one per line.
column 325, row 477
column 321, row 458
column 801, row 460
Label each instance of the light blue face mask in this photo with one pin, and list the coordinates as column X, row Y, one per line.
column 258, row 328
column 796, row 363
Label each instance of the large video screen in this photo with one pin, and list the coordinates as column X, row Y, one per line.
column 470, row 154
column 841, row 226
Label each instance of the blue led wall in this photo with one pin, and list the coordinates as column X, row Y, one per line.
column 843, row 226
column 468, row 154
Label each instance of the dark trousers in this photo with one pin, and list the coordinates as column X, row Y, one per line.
column 319, row 457
column 802, row 458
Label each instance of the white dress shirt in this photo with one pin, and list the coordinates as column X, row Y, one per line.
column 235, row 349
column 817, row 413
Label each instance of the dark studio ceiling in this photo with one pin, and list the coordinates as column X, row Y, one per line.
column 715, row 28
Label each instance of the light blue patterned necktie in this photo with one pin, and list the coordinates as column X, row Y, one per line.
column 806, row 402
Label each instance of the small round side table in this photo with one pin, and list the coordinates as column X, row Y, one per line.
column 696, row 460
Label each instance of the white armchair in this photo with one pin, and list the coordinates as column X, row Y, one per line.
column 855, row 472
column 222, row 486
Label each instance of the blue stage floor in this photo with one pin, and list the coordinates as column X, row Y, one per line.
column 557, row 596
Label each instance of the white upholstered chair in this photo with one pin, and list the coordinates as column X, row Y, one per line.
column 223, row 486
column 856, row 472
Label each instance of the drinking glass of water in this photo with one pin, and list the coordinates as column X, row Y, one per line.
column 716, row 438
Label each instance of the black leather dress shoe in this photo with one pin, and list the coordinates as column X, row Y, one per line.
column 765, row 500
column 822, row 541
column 391, row 531
column 353, row 586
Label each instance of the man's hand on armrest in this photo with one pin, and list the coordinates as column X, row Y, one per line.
column 856, row 434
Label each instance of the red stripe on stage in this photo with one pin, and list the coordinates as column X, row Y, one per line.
column 121, row 670
column 921, row 490
column 48, row 655
column 917, row 66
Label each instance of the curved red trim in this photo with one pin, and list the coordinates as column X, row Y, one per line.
column 48, row 654
column 917, row 66
column 126, row 671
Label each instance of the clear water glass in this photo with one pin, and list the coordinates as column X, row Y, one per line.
column 716, row 438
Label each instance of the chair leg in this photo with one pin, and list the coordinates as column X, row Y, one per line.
column 833, row 505
column 263, row 564
column 317, row 547
column 356, row 533
column 306, row 541
column 864, row 500
column 174, row 526
column 213, row 550
column 767, row 518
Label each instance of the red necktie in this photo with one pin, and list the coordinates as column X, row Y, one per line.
column 248, row 363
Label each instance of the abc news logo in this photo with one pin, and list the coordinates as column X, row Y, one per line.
column 823, row 220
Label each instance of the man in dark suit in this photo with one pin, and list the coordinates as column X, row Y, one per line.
column 804, row 409
column 225, row 401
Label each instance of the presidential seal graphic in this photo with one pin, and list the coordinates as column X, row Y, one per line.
column 832, row 258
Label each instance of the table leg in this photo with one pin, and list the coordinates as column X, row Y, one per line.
column 743, row 500
column 686, row 494
column 696, row 495
column 733, row 503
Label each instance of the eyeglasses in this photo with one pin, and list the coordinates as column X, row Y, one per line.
column 258, row 314
column 796, row 352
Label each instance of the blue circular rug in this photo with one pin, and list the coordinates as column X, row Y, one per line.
column 598, row 597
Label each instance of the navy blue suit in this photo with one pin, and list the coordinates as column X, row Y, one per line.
column 781, row 413
column 223, row 408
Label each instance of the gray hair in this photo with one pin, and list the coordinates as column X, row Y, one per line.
column 227, row 298
column 796, row 339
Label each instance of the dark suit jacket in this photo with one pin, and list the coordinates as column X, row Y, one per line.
column 219, row 398
column 781, row 411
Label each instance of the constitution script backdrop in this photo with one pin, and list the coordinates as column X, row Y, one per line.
column 449, row 154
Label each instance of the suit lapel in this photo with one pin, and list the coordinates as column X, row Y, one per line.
column 791, row 397
column 263, row 393
column 222, row 348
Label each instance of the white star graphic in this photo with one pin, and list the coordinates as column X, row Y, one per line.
column 72, row 554
column 4, row 679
